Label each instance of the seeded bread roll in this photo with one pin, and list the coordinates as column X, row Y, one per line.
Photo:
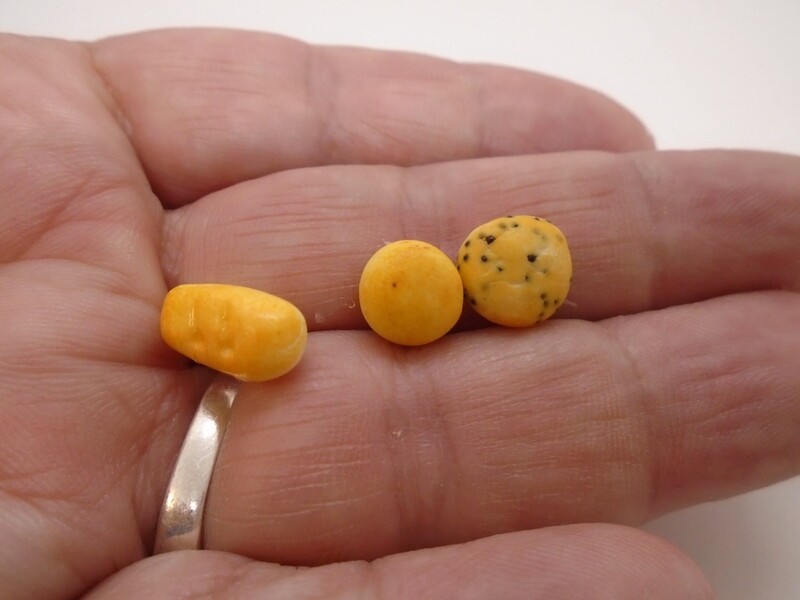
column 516, row 271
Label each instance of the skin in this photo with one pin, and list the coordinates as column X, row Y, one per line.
column 476, row 467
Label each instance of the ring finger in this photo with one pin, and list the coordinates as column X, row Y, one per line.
column 366, row 450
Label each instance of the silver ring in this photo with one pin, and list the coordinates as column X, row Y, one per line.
column 180, row 523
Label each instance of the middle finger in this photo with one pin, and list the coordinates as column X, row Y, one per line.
column 645, row 230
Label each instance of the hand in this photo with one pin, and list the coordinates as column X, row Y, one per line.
column 138, row 163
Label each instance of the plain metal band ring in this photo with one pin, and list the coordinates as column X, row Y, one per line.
column 180, row 523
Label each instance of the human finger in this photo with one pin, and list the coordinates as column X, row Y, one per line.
column 368, row 449
column 208, row 108
column 645, row 230
column 589, row 561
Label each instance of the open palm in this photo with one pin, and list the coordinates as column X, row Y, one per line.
column 138, row 163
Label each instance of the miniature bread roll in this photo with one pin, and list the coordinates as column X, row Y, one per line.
column 516, row 270
column 246, row 333
column 410, row 293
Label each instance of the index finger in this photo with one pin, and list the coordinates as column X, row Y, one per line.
column 209, row 108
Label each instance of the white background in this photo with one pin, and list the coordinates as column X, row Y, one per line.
column 699, row 73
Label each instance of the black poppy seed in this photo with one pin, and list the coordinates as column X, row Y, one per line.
column 545, row 304
column 527, row 277
column 544, row 271
column 536, row 219
column 509, row 216
column 458, row 267
column 557, row 301
column 484, row 258
column 466, row 244
column 465, row 258
column 472, row 301
column 490, row 239
column 499, row 268
column 531, row 258
column 394, row 284
column 543, row 295
column 515, row 224
column 541, row 314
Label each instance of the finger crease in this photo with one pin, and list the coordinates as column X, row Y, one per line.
column 112, row 101
column 320, row 86
column 644, row 400
column 649, row 241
